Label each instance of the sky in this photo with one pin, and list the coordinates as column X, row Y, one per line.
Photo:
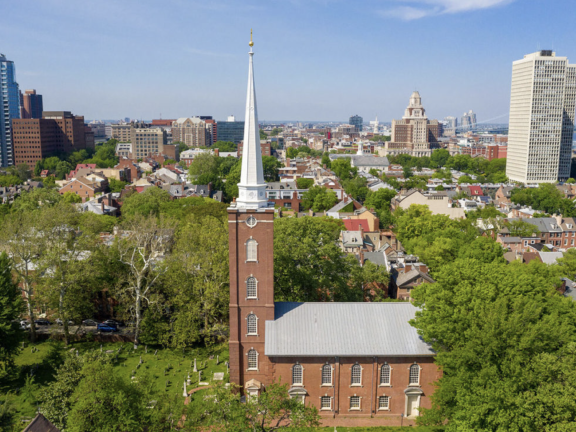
column 315, row 60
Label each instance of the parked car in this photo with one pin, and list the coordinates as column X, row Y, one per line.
column 107, row 327
column 42, row 321
column 59, row 322
column 113, row 322
column 89, row 323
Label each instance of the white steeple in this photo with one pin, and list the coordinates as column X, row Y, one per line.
column 252, row 188
column 360, row 151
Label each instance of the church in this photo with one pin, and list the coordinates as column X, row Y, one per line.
column 346, row 359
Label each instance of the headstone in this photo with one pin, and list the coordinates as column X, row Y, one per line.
column 218, row 376
column 155, row 352
column 217, row 359
column 140, row 360
column 195, row 368
column 146, row 349
column 22, row 344
column 100, row 348
column 185, row 394
column 199, row 376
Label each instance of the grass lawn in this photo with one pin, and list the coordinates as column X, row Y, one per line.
column 168, row 368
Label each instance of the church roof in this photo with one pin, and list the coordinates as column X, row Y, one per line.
column 344, row 329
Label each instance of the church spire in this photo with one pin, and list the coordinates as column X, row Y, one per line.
column 252, row 188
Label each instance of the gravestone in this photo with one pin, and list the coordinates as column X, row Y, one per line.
column 195, row 368
column 185, row 394
column 218, row 376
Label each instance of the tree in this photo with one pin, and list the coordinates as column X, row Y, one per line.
column 319, row 198
column 222, row 410
column 11, row 307
column 36, row 198
column 141, row 246
column 356, row 188
column 204, row 163
column 372, row 279
column 23, row 171
column 275, row 131
column 439, row 188
column 304, row 183
column 465, row 179
column 270, row 165
column 494, row 327
column 380, row 199
column 263, row 135
column 567, row 263
column 326, row 160
column 116, row 185
column 145, row 203
column 66, row 264
column 71, row 198
column 520, row 228
column 19, row 238
column 439, row 157
column 570, row 181
column 343, row 169
column 198, row 281
column 308, row 264
column 291, row 152
column 225, row 146
column 407, row 172
column 232, row 180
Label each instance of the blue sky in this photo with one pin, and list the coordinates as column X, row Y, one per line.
column 315, row 59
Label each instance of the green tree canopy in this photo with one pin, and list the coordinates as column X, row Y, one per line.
column 304, row 183
column 319, row 198
column 145, row 203
column 343, row 169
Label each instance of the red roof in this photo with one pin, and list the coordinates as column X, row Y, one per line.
column 79, row 166
column 354, row 224
column 475, row 191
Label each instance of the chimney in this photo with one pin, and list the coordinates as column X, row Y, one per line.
column 362, row 257
column 102, row 205
column 210, row 187
column 110, row 199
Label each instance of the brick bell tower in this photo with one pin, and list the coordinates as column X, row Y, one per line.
column 251, row 240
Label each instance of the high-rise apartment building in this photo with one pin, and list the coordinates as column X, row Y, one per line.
column 9, row 109
column 231, row 130
column 31, row 105
column 468, row 120
column 356, row 121
column 56, row 132
column 451, row 122
column 192, row 131
column 148, row 141
column 542, row 110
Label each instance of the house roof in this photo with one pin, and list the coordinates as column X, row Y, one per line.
column 475, row 190
column 550, row 257
column 352, row 238
column 354, row 224
column 404, row 278
column 41, row 424
column 344, row 329
column 377, row 258
column 570, row 288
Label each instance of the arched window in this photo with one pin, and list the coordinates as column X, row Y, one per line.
column 251, row 250
column 356, row 374
column 297, row 374
column 326, row 374
column 414, row 374
column 252, row 359
column 251, row 287
column 385, row 374
column 252, row 322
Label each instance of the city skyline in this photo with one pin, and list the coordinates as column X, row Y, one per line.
column 329, row 60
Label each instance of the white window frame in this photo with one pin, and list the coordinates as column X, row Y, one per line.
column 389, row 383
column 380, row 408
column 248, row 296
column 359, row 407
column 248, row 356
column 330, row 403
column 251, row 257
column 329, row 367
column 413, row 367
column 355, row 367
column 295, row 367
column 250, row 315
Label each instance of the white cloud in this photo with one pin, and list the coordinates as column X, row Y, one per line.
column 422, row 8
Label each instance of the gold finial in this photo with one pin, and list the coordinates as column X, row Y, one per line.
column 251, row 43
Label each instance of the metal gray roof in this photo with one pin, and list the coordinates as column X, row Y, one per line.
column 344, row 329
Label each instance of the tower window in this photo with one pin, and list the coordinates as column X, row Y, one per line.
column 297, row 374
column 251, row 287
column 252, row 359
column 251, row 250
column 356, row 374
column 327, row 375
column 251, row 221
column 414, row 374
column 385, row 375
column 383, row 402
column 252, row 323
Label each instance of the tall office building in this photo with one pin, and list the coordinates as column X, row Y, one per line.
column 231, row 130
column 356, row 121
column 31, row 105
column 542, row 105
column 9, row 109
column 55, row 133
column 192, row 131
column 468, row 120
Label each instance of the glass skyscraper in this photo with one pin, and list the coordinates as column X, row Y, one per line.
column 9, row 109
